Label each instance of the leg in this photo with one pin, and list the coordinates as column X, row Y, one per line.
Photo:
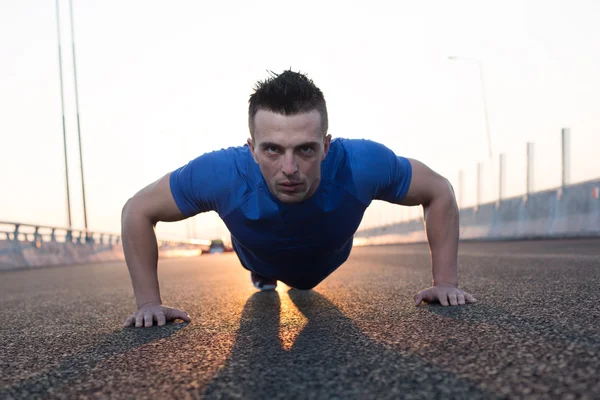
column 259, row 282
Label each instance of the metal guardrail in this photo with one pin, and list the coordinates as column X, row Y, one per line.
column 36, row 234
column 39, row 233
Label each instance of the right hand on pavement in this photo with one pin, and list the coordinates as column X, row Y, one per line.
column 146, row 315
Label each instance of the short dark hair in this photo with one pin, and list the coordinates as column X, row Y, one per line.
column 288, row 93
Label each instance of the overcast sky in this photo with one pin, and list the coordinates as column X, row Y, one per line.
column 163, row 82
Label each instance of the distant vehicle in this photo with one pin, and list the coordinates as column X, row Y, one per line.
column 216, row 246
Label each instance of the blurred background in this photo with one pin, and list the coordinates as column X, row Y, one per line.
column 154, row 85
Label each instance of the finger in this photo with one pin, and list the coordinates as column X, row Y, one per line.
column 148, row 317
column 129, row 321
column 175, row 314
column 418, row 298
column 452, row 297
column 161, row 320
column 426, row 295
column 461, row 299
column 139, row 321
column 443, row 298
column 470, row 298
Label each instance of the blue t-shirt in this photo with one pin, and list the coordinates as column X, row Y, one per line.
column 299, row 244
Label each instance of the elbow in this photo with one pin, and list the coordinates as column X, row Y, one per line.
column 450, row 192
column 441, row 191
column 125, row 211
column 136, row 209
column 126, row 208
column 447, row 195
column 442, row 197
column 129, row 210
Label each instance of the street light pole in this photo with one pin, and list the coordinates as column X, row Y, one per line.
column 85, row 219
column 62, row 104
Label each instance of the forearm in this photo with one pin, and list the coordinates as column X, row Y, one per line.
column 442, row 228
column 141, row 255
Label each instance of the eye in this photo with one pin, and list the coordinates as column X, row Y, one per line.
column 271, row 149
column 307, row 150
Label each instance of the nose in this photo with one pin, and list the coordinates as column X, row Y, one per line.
column 290, row 167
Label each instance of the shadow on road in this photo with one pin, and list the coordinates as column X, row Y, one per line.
column 329, row 358
column 118, row 342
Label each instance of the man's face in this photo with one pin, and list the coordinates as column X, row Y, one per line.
column 289, row 151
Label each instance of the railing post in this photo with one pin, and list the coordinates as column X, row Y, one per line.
column 530, row 169
column 501, row 177
column 566, row 157
column 16, row 233
column 37, row 239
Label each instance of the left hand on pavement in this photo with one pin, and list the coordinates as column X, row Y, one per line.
column 445, row 294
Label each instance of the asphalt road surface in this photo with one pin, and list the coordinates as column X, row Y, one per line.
column 534, row 333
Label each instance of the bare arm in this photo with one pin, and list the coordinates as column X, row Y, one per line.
column 140, row 215
column 435, row 194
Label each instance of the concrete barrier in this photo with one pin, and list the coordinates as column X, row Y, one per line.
column 15, row 254
column 572, row 211
column 30, row 246
column 18, row 254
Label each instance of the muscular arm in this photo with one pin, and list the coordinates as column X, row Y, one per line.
column 140, row 215
column 436, row 195
column 187, row 191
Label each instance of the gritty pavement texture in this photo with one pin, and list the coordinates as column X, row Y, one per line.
column 534, row 332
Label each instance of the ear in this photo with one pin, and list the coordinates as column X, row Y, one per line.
column 251, row 146
column 326, row 144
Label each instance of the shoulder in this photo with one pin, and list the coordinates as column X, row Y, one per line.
column 212, row 180
column 365, row 152
column 377, row 172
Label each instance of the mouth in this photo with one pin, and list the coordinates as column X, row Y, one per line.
column 290, row 186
